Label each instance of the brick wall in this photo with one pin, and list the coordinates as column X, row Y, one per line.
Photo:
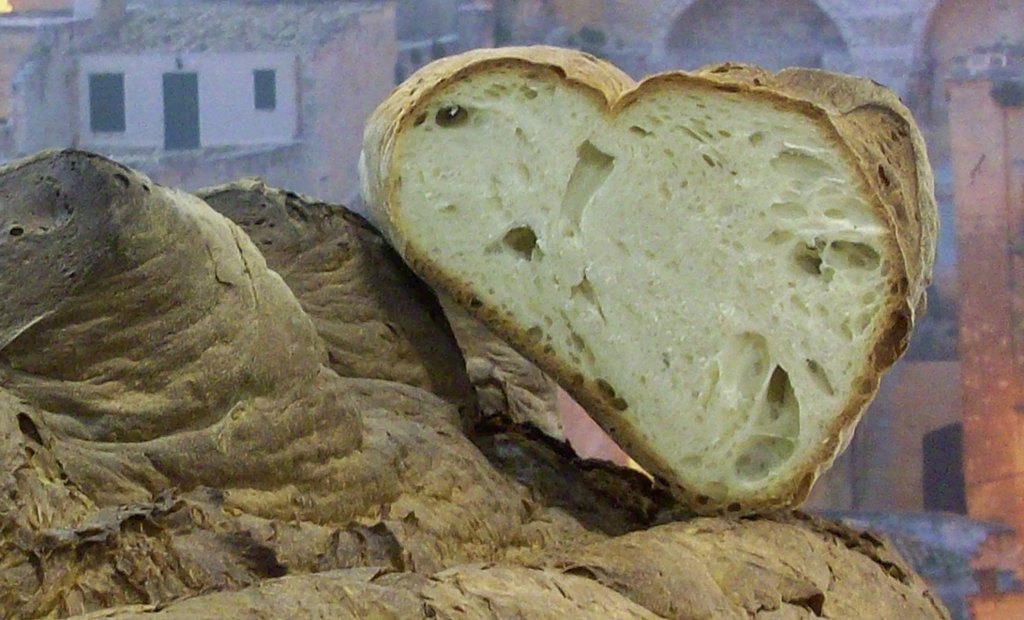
column 344, row 82
column 1004, row 607
column 987, row 145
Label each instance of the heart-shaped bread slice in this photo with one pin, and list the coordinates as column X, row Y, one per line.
column 717, row 265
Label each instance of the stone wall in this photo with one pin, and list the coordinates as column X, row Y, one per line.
column 774, row 34
column 425, row 19
column 879, row 36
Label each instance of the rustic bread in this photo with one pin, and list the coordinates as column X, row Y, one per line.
column 717, row 265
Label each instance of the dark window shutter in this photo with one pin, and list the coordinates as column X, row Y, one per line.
column 265, row 89
column 106, row 102
column 181, row 111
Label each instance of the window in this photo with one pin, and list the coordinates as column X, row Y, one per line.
column 106, row 102
column 265, row 89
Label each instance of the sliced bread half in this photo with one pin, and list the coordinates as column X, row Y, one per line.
column 717, row 265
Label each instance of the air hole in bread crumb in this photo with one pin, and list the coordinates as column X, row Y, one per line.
column 788, row 210
column 756, row 138
column 798, row 303
column 862, row 322
column 524, row 173
column 762, row 455
column 451, row 116
column 521, row 240
column 535, row 333
column 709, row 160
column 693, row 134
column 640, row 131
column 585, row 291
column 780, row 415
column 605, row 388
column 820, row 377
column 608, row 392
column 801, row 165
column 854, row 254
column 593, row 166
column 422, row 118
column 496, row 91
column 16, row 231
column 808, row 258
column 779, row 392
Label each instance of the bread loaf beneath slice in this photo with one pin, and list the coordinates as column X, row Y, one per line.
column 718, row 265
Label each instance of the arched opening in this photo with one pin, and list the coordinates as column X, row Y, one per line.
column 956, row 28
column 771, row 33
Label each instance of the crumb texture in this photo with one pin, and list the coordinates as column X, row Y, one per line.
column 711, row 261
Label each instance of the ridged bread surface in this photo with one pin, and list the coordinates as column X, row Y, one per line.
column 717, row 265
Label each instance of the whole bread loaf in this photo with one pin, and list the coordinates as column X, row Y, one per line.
column 718, row 265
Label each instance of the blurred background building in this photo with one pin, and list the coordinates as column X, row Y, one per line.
column 196, row 92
